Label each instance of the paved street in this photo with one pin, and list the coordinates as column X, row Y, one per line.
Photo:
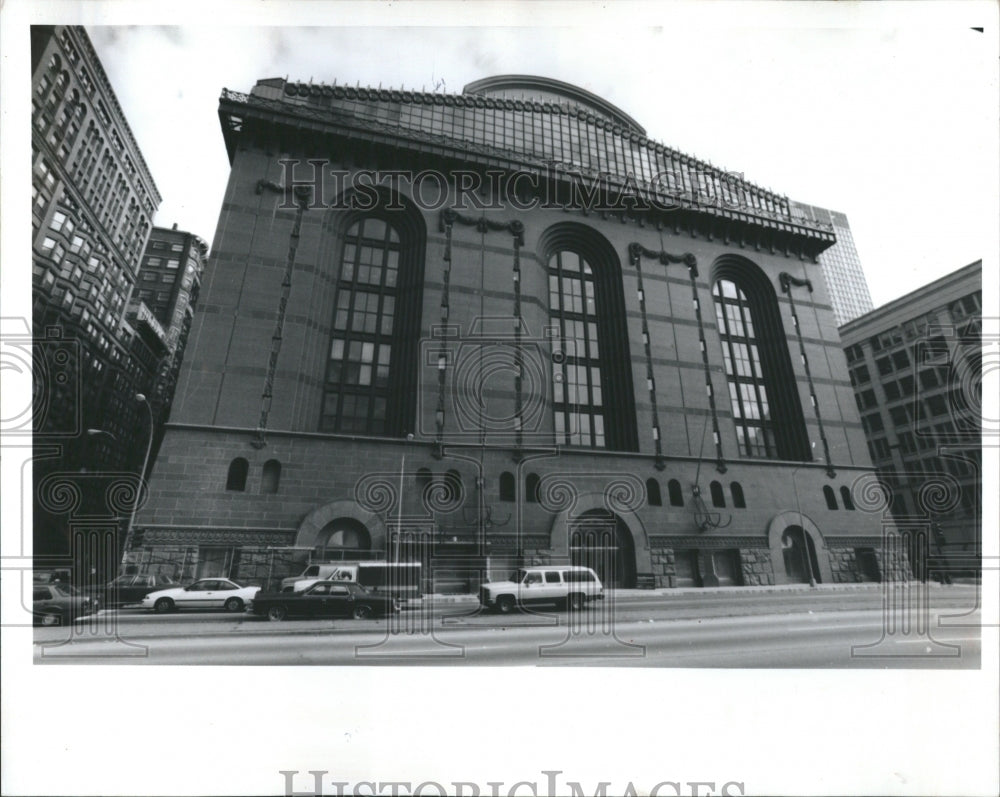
column 823, row 627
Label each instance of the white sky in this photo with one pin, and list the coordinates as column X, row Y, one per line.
column 892, row 122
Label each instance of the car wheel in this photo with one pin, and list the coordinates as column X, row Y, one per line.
column 234, row 605
column 362, row 612
column 277, row 613
column 576, row 602
column 163, row 605
column 505, row 604
column 51, row 618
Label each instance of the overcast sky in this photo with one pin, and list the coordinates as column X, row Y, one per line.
column 891, row 124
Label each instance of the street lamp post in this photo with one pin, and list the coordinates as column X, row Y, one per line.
column 802, row 528
column 399, row 506
column 142, row 473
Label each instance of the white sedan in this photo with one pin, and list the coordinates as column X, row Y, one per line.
column 207, row 593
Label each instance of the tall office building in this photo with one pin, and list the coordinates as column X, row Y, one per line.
column 170, row 280
column 916, row 367
column 93, row 201
column 845, row 278
column 470, row 329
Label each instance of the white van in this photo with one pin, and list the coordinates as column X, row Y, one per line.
column 336, row 571
column 401, row 579
column 564, row 585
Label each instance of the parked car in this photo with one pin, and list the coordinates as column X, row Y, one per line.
column 206, row 593
column 61, row 575
column 325, row 599
column 131, row 589
column 60, row 604
column 568, row 585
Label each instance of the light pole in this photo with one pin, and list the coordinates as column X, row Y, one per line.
column 802, row 527
column 142, row 473
column 399, row 506
column 99, row 432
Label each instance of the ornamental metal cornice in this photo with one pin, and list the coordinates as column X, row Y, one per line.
column 768, row 212
column 786, row 281
column 449, row 216
column 637, row 250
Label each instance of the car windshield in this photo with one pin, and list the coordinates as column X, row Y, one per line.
column 517, row 576
column 65, row 589
column 121, row 581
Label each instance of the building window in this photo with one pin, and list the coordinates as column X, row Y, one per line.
column 593, row 401
column 737, row 491
column 845, row 498
column 764, row 394
column 371, row 376
column 675, row 493
column 831, row 498
column 577, row 393
column 362, row 345
column 653, row 493
column 424, row 480
column 236, row 479
column 718, row 497
column 507, row 487
column 271, row 477
column 748, row 395
column 531, row 488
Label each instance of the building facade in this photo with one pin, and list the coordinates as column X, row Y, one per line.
column 169, row 282
column 841, row 265
column 916, row 367
column 93, row 204
column 505, row 327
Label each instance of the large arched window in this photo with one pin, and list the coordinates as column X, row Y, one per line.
column 577, row 392
column 747, row 388
column 762, row 390
column 371, row 375
column 357, row 378
column 592, row 396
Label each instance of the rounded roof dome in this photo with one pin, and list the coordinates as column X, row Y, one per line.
column 543, row 88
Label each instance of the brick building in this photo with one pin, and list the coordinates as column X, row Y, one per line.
column 916, row 367
column 504, row 327
column 93, row 200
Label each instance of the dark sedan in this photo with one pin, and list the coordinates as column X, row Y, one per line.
column 325, row 599
column 131, row 589
column 60, row 604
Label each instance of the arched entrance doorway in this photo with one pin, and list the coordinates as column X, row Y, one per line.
column 799, row 552
column 343, row 538
column 603, row 542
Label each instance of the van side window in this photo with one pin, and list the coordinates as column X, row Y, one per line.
column 579, row 575
column 311, row 571
column 533, row 578
column 552, row 577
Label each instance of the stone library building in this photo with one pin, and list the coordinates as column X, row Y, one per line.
column 499, row 328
